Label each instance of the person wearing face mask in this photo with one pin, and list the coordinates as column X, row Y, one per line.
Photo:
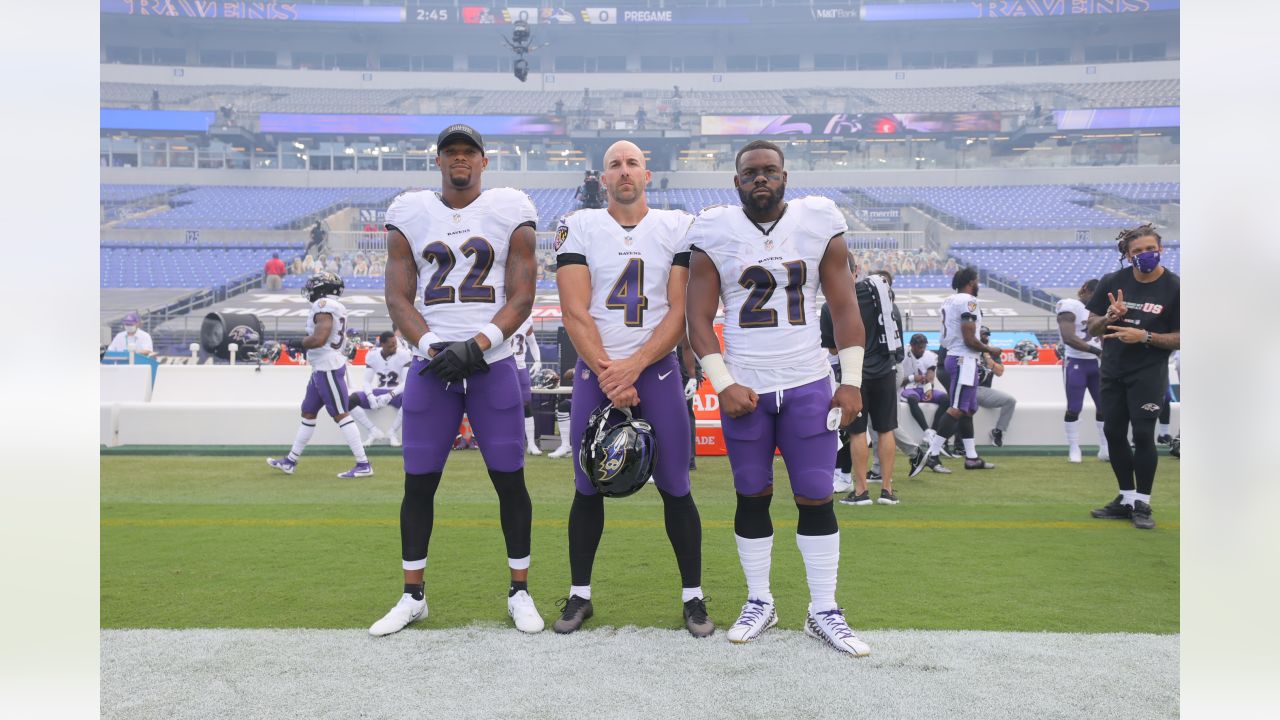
column 132, row 338
column 1135, row 311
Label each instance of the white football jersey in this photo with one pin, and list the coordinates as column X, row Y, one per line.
column 769, row 286
column 387, row 372
column 332, row 355
column 462, row 257
column 520, row 343
column 1077, row 309
column 953, row 310
column 912, row 366
column 629, row 270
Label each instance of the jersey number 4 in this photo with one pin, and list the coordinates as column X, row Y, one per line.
column 628, row 294
column 760, row 285
column 472, row 288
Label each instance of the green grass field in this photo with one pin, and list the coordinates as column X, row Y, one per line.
column 201, row 541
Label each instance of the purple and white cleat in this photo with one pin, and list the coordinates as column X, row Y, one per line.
column 284, row 465
column 363, row 469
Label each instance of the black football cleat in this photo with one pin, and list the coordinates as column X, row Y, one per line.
column 1165, row 439
column 696, row 620
column 1114, row 510
column 977, row 464
column 574, row 612
column 997, row 437
column 1142, row 516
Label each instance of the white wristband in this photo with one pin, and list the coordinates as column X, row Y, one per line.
column 851, row 366
column 426, row 341
column 714, row 368
column 494, row 333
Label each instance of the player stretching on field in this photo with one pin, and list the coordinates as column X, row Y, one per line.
column 385, row 369
column 460, row 280
column 1080, row 369
column 766, row 260
column 327, row 388
column 622, row 273
column 1136, row 312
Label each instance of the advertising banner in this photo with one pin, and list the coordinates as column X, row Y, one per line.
column 850, row 124
column 428, row 125
column 260, row 11
column 1118, row 118
column 989, row 9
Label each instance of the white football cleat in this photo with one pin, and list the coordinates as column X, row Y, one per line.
column 1073, row 454
column 757, row 616
column 393, row 440
column 284, row 465
column 521, row 609
column 406, row 611
column 841, row 482
column 562, row 451
column 375, row 435
column 533, row 450
column 829, row 627
column 1104, row 454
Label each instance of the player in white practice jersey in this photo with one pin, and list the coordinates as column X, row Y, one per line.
column 461, row 275
column 524, row 343
column 325, row 344
column 386, row 368
column 766, row 260
column 1080, row 368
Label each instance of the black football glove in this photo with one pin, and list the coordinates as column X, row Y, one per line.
column 456, row 360
column 295, row 347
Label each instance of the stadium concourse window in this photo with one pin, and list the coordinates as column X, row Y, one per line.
column 699, row 63
column 155, row 153
column 872, row 61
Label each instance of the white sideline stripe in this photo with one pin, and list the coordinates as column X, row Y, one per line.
column 495, row 671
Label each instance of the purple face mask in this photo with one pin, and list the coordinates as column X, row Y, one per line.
column 1147, row 261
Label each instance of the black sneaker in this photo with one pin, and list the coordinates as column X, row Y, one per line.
column 573, row 612
column 854, row 498
column 934, row 463
column 696, row 620
column 1114, row 510
column 997, row 437
column 1165, row 439
column 977, row 464
column 873, row 476
column 887, row 497
column 919, row 460
column 1176, row 448
column 1142, row 516
column 957, row 449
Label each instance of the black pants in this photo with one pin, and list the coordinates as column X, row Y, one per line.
column 1133, row 399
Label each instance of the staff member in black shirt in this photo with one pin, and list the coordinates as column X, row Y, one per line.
column 879, row 385
column 1136, row 312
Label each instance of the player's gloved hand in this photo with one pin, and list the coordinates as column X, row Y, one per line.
column 849, row 399
column 455, row 361
column 737, row 400
column 690, row 388
column 295, row 347
column 380, row 400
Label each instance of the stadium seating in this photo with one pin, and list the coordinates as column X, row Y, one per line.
column 255, row 208
column 1043, row 266
column 1004, row 206
column 187, row 266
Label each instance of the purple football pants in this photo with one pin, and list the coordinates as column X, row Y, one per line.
column 433, row 412
column 963, row 398
column 1078, row 375
column 526, row 388
column 326, row 389
column 361, row 398
column 661, row 404
column 794, row 421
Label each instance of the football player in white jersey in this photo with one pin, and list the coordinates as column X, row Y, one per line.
column 960, row 321
column 385, row 369
column 919, row 368
column 622, row 272
column 1080, row 368
column 766, row 260
column 461, row 273
column 522, row 343
column 325, row 345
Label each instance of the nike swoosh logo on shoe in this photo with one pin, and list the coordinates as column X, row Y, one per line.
column 663, row 376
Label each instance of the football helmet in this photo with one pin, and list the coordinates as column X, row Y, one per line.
column 546, row 379
column 617, row 455
column 1061, row 351
column 322, row 284
column 1025, row 351
column 270, row 352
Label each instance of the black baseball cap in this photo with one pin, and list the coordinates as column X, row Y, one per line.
column 465, row 132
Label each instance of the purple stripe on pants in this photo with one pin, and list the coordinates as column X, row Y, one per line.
column 327, row 389
column 661, row 404
column 526, row 389
column 963, row 398
column 1078, row 375
column 796, row 425
column 433, row 412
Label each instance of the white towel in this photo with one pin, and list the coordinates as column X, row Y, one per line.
column 884, row 303
column 968, row 371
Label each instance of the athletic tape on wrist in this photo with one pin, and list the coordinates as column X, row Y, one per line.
column 851, row 366
column 494, row 333
column 714, row 368
column 426, row 341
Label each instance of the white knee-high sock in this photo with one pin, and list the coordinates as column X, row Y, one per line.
column 528, row 432
column 821, row 555
column 1072, row 429
column 756, row 555
column 398, row 422
column 306, row 429
column 1102, row 437
column 352, row 435
column 562, row 424
column 362, row 417
column 970, row 448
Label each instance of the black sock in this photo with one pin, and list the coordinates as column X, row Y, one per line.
column 517, row 586
column 684, row 530
column 417, row 514
column 586, row 524
column 947, row 426
column 413, row 590
column 514, row 510
column 917, row 414
column 966, row 427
